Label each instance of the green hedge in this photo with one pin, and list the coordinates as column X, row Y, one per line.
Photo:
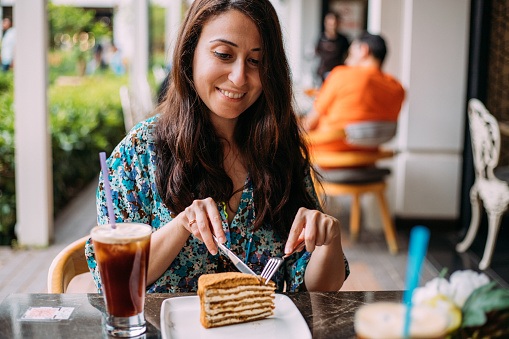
column 85, row 119
column 7, row 186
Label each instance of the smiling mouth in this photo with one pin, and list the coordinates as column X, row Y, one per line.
column 232, row 95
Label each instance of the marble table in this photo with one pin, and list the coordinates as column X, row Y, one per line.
column 328, row 314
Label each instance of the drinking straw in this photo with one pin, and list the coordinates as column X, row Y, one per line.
column 419, row 237
column 107, row 189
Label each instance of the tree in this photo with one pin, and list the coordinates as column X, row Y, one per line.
column 76, row 30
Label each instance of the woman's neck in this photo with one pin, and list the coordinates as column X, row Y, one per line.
column 235, row 168
column 224, row 128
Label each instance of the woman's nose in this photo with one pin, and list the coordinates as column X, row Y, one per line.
column 238, row 73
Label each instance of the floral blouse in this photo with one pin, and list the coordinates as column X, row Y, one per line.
column 136, row 199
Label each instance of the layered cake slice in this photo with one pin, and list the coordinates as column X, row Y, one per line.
column 232, row 298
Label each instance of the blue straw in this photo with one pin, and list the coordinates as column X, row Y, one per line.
column 107, row 189
column 419, row 238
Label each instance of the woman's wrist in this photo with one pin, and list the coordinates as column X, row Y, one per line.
column 326, row 268
column 182, row 224
column 165, row 245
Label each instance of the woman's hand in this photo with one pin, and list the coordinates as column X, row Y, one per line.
column 202, row 219
column 313, row 226
column 326, row 269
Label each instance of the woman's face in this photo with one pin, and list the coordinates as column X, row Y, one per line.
column 225, row 65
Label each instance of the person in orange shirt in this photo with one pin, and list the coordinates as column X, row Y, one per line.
column 359, row 91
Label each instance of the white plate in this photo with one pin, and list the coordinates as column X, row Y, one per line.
column 180, row 318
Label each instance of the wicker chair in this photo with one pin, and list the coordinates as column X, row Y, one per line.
column 69, row 263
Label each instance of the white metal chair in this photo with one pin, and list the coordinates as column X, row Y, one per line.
column 488, row 188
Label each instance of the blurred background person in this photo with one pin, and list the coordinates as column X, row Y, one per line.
column 117, row 62
column 8, row 41
column 332, row 46
column 97, row 62
column 357, row 91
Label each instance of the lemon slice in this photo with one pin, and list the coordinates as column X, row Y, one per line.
column 448, row 307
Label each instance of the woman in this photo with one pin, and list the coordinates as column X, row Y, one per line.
column 224, row 156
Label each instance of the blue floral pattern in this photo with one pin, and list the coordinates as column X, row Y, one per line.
column 135, row 199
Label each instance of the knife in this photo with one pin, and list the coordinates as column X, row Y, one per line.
column 234, row 259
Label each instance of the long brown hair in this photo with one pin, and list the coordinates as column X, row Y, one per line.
column 189, row 151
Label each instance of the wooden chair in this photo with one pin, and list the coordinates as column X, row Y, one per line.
column 69, row 263
column 354, row 172
column 137, row 103
column 491, row 183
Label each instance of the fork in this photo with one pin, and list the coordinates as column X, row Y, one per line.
column 273, row 263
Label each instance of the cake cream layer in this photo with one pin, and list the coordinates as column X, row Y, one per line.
column 223, row 320
column 239, row 289
column 238, row 292
column 241, row 314
column 232, row 303
column 229, row 280
column 237, row 307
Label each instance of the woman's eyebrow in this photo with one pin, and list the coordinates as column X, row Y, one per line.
column 233, row 44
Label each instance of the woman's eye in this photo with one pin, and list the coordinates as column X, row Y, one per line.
column 254, row 62
column 222, row 56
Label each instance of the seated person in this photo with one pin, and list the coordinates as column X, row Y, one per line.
column 224, row 156
column 357, row 92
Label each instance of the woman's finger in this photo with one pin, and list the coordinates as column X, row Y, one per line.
column 216, row 225
column 319, row 229
column 321, row 233
column 206, row 211
column 296, row 230
column 202, row 215
column 311, row 229
column 193, row 226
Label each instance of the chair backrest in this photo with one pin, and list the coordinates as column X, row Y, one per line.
column 137, row 103
column 126, row 107
column 370, row 133
column 367, row 134
column 349, row 159
column 485, row 138
column 364, row 134
column 70, row 262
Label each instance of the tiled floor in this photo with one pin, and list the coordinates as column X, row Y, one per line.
column 26, row 271
column 372, row 266
column 442, row 253
column 374, row 269
column 442, row 256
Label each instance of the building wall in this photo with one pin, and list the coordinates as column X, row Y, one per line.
column 433, row 49
column 300, row 23
column 497, row 100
